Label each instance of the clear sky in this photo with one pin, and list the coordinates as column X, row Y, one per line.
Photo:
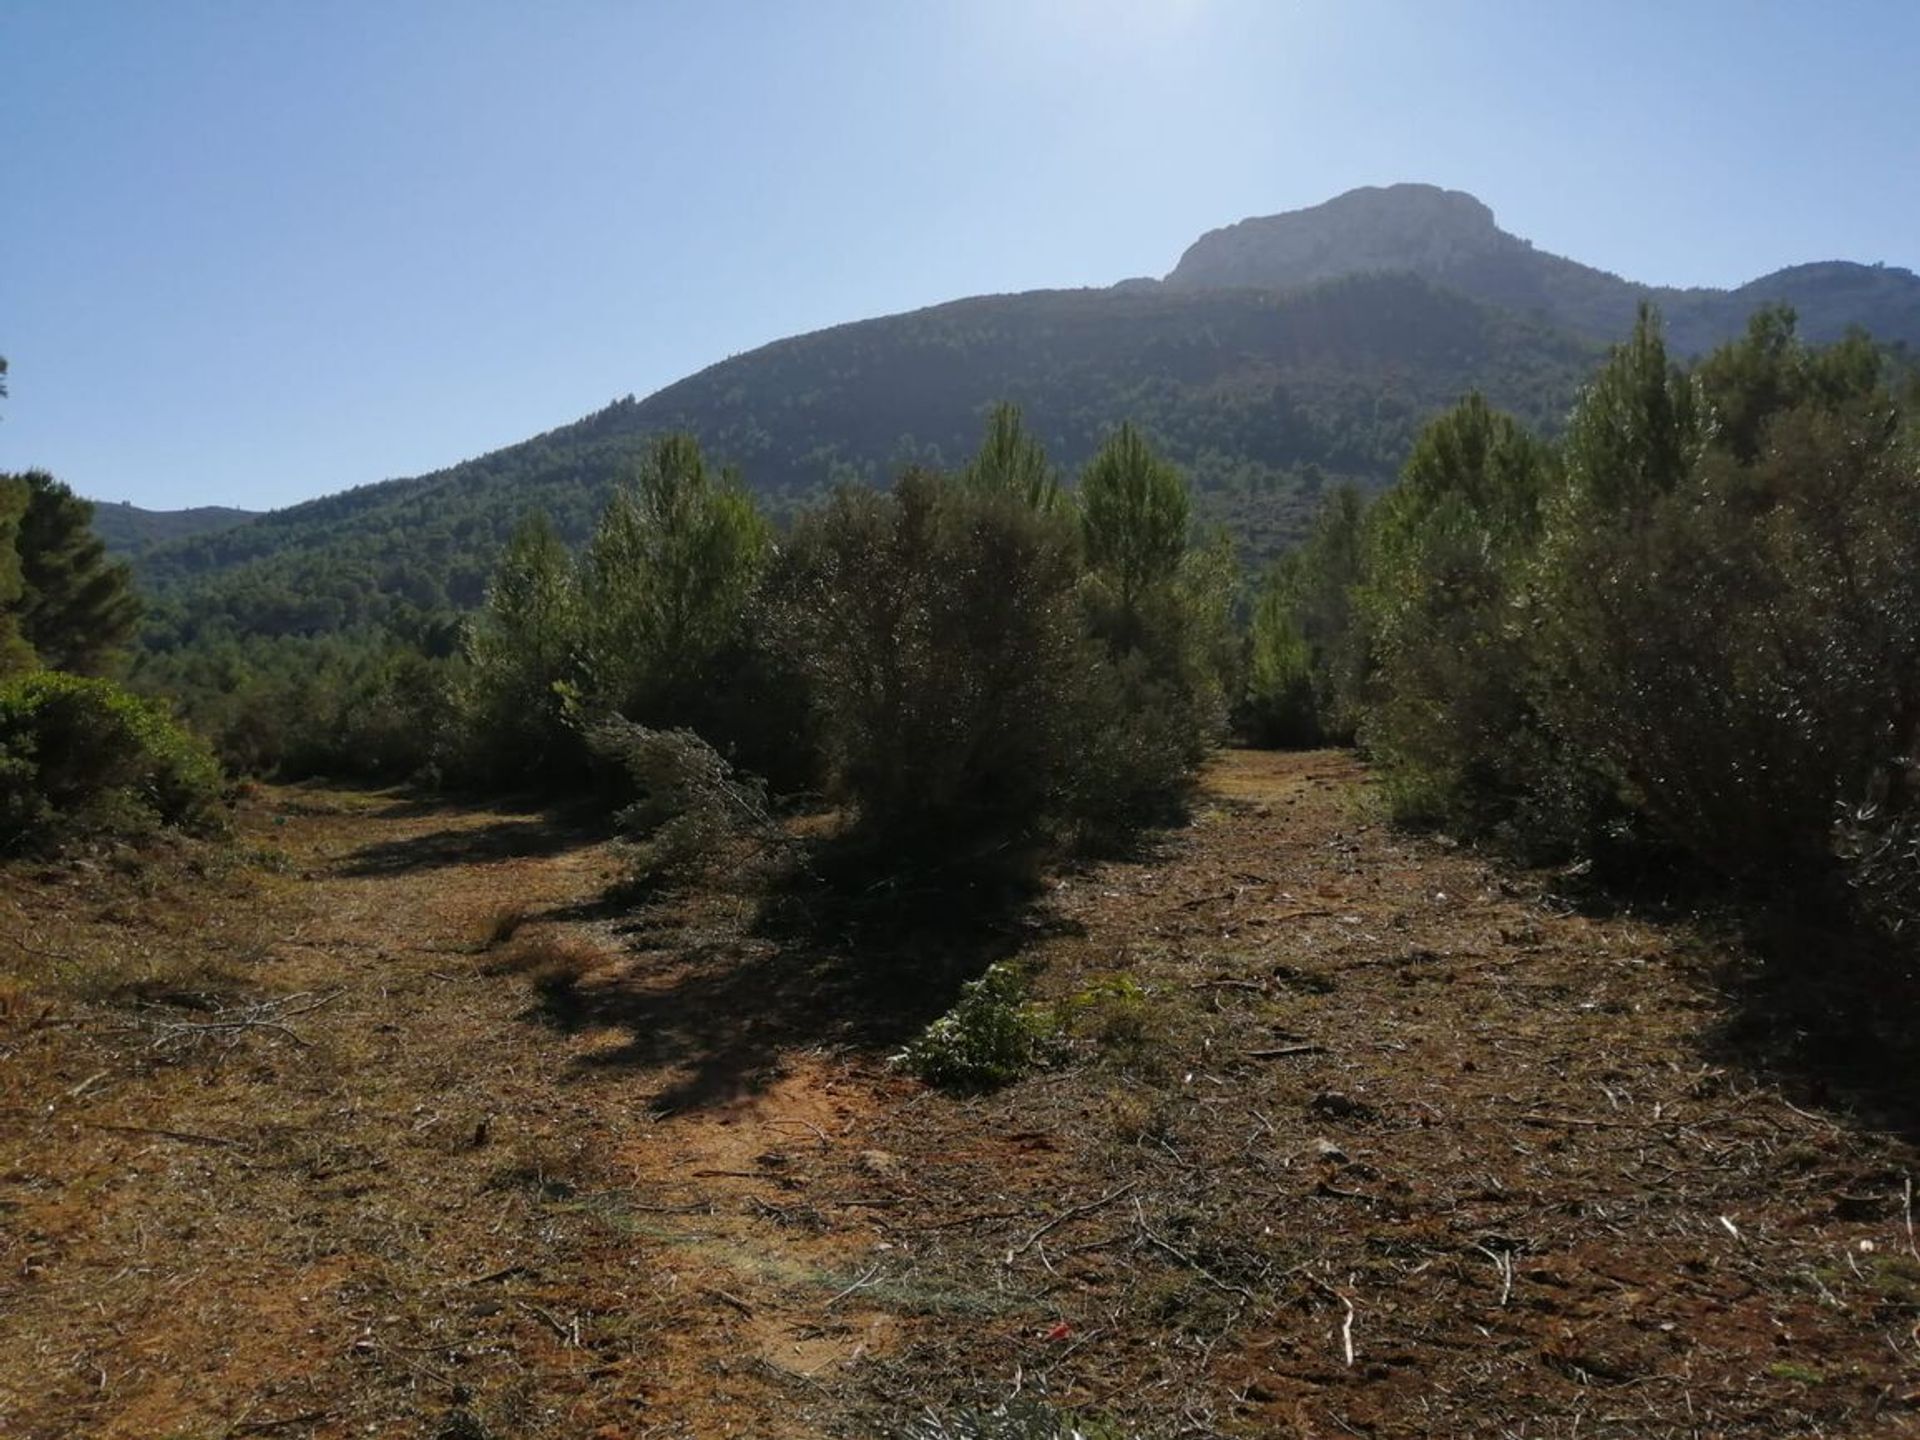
column 253, row 251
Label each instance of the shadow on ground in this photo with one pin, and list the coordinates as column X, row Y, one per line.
column 823, row 962
column 544, row 834
column 1830, row 1015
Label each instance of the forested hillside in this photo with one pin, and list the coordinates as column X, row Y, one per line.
column 128, row 528
column 1265, row 398
column 1281, row 356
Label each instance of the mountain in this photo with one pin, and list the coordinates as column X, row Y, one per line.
column 127, row 528
column 1280, row 355
column 1264, row 397
column 1451, row 238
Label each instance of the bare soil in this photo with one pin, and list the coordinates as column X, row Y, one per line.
column 385, row 1121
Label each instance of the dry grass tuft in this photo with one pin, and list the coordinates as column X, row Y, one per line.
column 503, row 923
column 553, row 960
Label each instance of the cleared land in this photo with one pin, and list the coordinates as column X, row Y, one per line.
column 392, row 1126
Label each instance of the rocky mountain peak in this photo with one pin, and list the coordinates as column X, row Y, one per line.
column 1421, row 228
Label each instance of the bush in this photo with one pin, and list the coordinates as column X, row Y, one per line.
column 992, row 1035
column 1308, row 655
column 1451, row 715
column 1732, row 647
column 691, row 808
column 83, row 759
column 1691, row 637
column 939, row 631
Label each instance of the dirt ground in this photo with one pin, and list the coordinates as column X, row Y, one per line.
column 386, row 1122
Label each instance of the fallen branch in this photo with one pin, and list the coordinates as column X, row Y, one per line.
column 872, row 1277
column 1281, row 1051
column 726, row 1299
column 1140, row 1218
column 188, row 1137
column 1078, row 1212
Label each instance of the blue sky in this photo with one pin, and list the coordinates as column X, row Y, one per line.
column 255, row 251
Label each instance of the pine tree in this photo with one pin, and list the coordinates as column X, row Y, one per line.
column 523, row 649
column 1133, row 518
column 666, row 582
column 15, row 654
column 78, row 608
column 1012, row 462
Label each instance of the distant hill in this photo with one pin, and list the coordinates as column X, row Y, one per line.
column 1266, row 399
column 127, row 528
column 1280, row 355
column 1451, row 238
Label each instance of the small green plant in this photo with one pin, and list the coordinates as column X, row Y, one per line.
column 1116, row 1013
column 991, row 1036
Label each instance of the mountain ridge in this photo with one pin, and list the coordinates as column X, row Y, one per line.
column 1265, row 392
column 1454, row 239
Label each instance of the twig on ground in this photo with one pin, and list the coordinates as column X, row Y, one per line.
column 733, row 1301
column 505, row 1272
column 1503, row 1262
column 185, row 1136
column 567, row 1336
column 1064, row 1216
column 872, row 1277
column 1160, row 1243
column 1909, row 1205
column 1346, row 1323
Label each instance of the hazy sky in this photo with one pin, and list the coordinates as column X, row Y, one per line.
column 254, row 251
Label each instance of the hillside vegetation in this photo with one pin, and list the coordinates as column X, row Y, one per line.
column 127, row 529
column 1281, row 357
column 1265, row 399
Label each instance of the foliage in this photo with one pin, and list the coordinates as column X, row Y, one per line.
column 81, row 758
column 373, row 707
column 938, row 628
column 1011, row 462
column 1134, row 519
column 1260, row 398
column 983, row 689
column 692, row 806
column 1308, row 656
column 1159, row 608
column 15, row 653
column 523, row 653
column 78, row 609
column 1693, row 633
column 665, row 582
column 992, row 1035
column 126, row 529
column 1452, row 715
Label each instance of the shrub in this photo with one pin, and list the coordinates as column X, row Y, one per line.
column 939, row 631
column 1308, row 652
column 1452, row 715
column 1733, row 650
column 1693, row 636
column 993, row 1034
column 691, row 807
column 83, row 758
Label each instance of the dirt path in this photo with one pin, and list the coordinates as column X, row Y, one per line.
column 1348, row 1134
